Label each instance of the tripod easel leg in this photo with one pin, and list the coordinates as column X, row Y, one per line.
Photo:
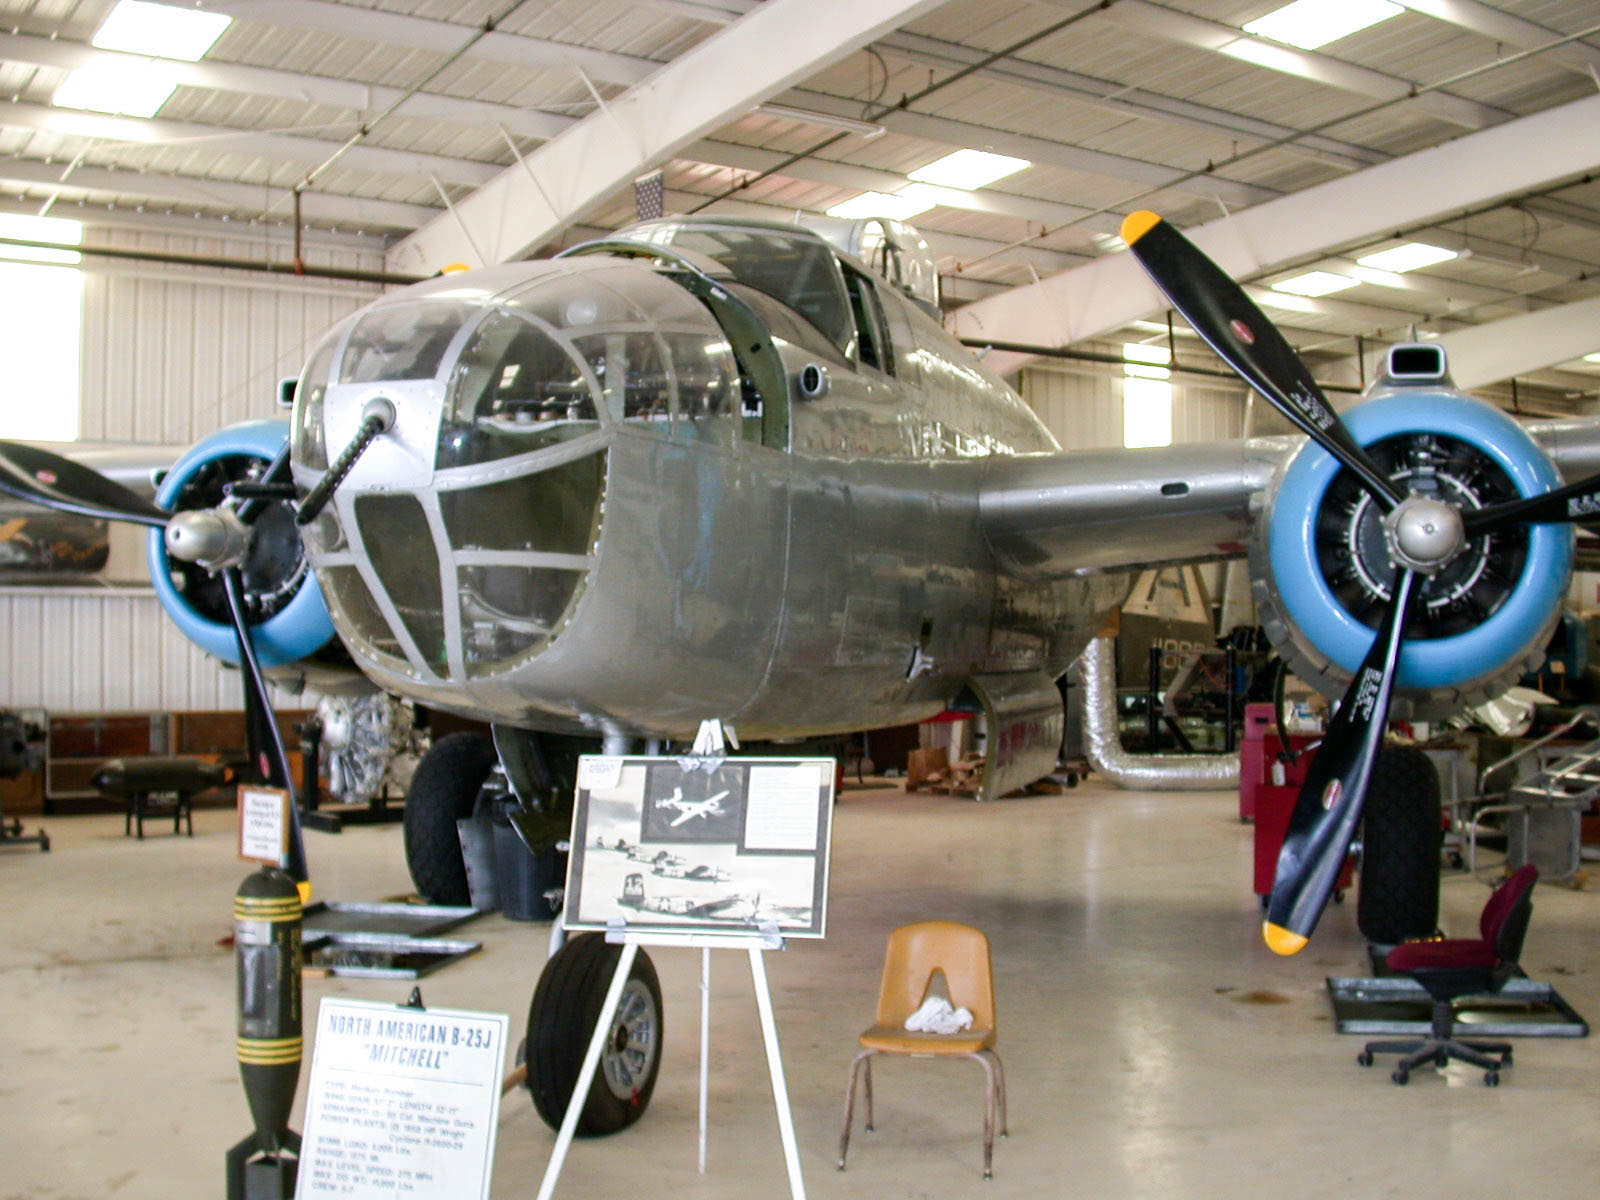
column 780, row 1088
column 591, row 1062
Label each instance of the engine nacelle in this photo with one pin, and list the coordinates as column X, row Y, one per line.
column 287, row 615
column 1320, row 558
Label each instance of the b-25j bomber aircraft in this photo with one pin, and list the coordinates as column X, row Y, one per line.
column 720, row 468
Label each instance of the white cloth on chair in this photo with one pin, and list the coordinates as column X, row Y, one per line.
column 936, row 1016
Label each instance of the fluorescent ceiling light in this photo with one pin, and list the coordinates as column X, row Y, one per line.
column 137, row 88
column 880, row 204
column 969, row 169
column 1312, row 23
column 1299, row 304
column 1594, row 358
column 1314, row 283
column 1408, row 257
column 40, row 229
column 160, row 30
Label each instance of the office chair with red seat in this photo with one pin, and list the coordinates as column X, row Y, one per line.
column 1459, row 967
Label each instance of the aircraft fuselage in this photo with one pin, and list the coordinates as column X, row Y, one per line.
column 588, row 517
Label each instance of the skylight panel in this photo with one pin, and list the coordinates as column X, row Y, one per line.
column 137, row 88
column 969, row 169
column 1314, row 283
column 1408, row 257
column 160, row 30
column 1309, row 24
column 882, row 204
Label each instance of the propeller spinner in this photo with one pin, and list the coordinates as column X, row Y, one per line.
column 1423, row 535
column 216, row 539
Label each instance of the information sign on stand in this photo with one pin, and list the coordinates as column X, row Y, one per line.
column 264, row 825
column 698, row 851
column 701, row 845
column 403, row 1101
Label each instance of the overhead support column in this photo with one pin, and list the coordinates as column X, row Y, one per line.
column 759, row 55
column 1398, row 195
column 1530, row 342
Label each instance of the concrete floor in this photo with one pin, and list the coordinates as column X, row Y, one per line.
column 1154, row 1047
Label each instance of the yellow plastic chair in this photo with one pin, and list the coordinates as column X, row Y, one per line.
column 915, row 952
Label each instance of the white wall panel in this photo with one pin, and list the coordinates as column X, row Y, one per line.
column 170, row 353
column 1081, row 404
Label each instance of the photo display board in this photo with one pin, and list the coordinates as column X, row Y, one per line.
column 701, row 845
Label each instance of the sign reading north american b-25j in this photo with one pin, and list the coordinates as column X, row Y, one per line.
column 717, row 468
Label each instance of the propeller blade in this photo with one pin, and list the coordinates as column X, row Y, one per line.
column 41, row 477
column 1577, row 501
column 1329, row 804
column 1247, row 341
column 258, row 699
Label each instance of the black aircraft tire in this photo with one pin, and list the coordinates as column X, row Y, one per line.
column 443, row 790
column 561, row 1019
column 1401, row 840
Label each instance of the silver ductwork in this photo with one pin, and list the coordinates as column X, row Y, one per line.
column 1148, row 772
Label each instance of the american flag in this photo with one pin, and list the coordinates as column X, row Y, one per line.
column 650, row 196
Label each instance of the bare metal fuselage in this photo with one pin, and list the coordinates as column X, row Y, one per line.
column 837, row 580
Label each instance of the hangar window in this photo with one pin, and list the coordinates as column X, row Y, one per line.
column 1146, row 396
column 41, row 311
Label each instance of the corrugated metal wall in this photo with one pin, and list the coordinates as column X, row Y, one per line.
column 170, row 353
column 1082, row 404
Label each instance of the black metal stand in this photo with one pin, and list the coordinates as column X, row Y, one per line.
column 11, row 834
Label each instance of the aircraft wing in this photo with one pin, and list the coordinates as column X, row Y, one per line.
column 1050, row 515
column 1085, row 511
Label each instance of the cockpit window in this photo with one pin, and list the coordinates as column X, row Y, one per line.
column 514, row 389
column 310, row 447
column 402, row 341
column 872, row 331
column 799, row 271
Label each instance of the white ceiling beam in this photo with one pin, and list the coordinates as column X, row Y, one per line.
column 63, row 55
column 722, row 77
column 1486, row 354
column 159, row 189
column 946, row 132
column 441, row 37
column 1144, row 18
column 1512, row 31
column 138, row 131
column 1118, row 98
column 1365, row 316
column 1409, row 191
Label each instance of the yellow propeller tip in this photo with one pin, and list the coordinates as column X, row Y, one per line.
column 303, row 886
column 1282, row 941
column 1136, row 225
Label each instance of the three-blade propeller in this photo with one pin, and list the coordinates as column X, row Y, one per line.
column 1329, row 804
column 42, row 477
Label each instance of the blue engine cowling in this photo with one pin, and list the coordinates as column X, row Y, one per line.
column 1321, row 572
column 288, row 616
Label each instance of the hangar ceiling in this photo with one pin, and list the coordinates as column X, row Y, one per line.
column 478, row 130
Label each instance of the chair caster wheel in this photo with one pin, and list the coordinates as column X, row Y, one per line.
column 1400, row 1077
column 1491, row 1079
column 1441, row 1059
column 1365, row 1058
